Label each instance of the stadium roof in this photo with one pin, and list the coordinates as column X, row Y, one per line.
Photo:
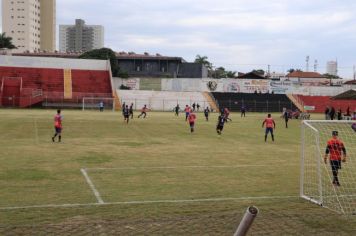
column 119, row 55
column 348, row 95
column 302, row 74
column 350, row 82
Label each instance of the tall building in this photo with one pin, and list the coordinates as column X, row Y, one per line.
column 30, row 23
column 331, row 68
column 80, row 37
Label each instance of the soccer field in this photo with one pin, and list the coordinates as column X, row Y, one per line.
column 152, row 177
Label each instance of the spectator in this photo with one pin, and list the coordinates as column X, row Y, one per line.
column 332, row 113
column 326, row 112
column 339, row 114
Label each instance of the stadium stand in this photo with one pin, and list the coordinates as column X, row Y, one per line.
column 56, row 82
column 254, row 102
column 321, row 102
column 162, row 100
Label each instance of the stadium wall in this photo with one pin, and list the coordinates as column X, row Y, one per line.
column 232, row 86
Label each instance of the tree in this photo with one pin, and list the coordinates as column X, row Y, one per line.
column 104, row 54
column 6, row 42
column 259, row 71
column 230, row 74
column 203, row 60
column 294, row 70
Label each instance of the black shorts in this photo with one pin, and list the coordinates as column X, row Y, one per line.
column 220, row 127
column 269, row 130
column 58, row 130
column 191, row 124
column 335, row 164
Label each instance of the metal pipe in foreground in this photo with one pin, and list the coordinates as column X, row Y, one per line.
column 247, row 221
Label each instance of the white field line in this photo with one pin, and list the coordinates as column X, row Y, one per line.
column 92, row 187
column 186, row 167
column 150, row 202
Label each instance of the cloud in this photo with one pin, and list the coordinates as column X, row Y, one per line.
column 232, row 33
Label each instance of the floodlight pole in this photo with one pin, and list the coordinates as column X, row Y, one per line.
column 246, row 221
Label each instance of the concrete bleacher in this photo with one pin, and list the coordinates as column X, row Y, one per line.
column 27, row 81
column 162, row 100
column 321, row 102
column 254, row 102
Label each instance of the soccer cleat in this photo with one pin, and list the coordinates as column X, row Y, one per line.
column 52, row 139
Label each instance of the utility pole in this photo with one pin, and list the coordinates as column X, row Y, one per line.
column 307, row 63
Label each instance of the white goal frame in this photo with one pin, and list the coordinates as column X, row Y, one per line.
column 324, row 193
column 95, row 105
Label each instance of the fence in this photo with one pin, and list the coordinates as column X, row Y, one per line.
column 165, row 104
column 256, row 106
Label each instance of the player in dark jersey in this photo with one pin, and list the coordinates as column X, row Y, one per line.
column 220, row 124
column 127, row 114
column 58, row 126
column 131, row 111
column 206, row 113
column 270, row 125
column 336, row 151
column 176, row 110
column 123, row 108
column 286, row 117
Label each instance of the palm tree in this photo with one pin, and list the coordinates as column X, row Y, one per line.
column 6, row 42
column 203, row 60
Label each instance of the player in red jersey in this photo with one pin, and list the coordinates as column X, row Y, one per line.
column 143, row 111
column 187, row 111
column 58, row 126
column 270, row 125
column 336, row 151
column 191, row 119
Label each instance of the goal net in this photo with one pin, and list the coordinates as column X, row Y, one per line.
column 317, row 178
column 94, row 103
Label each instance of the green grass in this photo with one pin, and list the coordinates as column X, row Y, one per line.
column 238, row 165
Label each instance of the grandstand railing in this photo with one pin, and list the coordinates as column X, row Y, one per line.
column 256, row 106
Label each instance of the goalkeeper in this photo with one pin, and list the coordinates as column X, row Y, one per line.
column 336, row 151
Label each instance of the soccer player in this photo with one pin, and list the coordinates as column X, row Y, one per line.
column 286, row 117
column 123, row 108
column 176, row 110
column 131, row 110
column 127, row 114
column 206, row 113
column 58, row 126
column 220, row 124
column 143, row 111
column 226, row 114
column 243, row 111
column 336, row 151
column 270, row 125
column 101, row 106
column 191, row 119
column 187, row 111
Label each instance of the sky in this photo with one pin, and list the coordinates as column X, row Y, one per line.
column 239, row 35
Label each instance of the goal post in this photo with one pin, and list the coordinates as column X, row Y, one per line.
column 94, row 103
column 317, row 177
